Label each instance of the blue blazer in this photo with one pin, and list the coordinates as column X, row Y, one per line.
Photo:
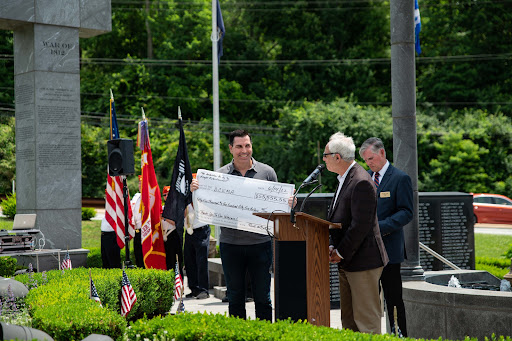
column 394, row 211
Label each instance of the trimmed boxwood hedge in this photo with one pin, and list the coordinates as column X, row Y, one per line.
column 62, row 308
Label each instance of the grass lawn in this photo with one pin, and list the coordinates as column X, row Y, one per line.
column 491, row 245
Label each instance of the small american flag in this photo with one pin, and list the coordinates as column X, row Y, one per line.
column 128, row 297
column 66, row 263
column 178, row 283
column 181, row 308
column 94, row 293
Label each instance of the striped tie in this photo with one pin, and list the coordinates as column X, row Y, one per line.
column 376, row 179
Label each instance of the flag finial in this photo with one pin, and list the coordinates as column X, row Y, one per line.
column 143, row 114
column 179, row 113
column 111, row 95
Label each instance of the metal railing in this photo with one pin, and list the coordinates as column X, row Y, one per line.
column 438, row 256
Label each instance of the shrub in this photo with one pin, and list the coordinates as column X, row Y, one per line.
column 497, row 267
column 88, row 213
column 8, row 266
column 64, row 311
column 508, row 254
column 94, row 258
column 9, row 206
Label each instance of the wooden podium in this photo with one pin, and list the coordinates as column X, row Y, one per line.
column 301, row 267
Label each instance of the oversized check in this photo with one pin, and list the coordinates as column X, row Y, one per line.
column 230, row 200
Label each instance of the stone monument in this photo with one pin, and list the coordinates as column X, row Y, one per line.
column 47, row 98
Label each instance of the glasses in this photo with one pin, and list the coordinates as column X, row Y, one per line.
column 325, row 154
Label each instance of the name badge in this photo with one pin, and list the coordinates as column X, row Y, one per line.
column 385, row 194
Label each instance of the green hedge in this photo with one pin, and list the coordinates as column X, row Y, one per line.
column 9, row 206
column 88, row 213
column 219, row 327
column 7, row 266
column 498, row 267
column 62, row 308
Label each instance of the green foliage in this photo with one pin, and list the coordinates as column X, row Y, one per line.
column 8, row 266
column 62, row 308
column 457, row 167
column 88, row 213
column 218, row 327
column 508, row 254
column 7, row 150
column 9, row 206
column 94, row 258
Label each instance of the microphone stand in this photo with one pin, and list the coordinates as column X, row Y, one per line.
column 292, row 213
column 307, row 196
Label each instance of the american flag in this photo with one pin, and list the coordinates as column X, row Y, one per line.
column 94, row 292
column 128, row 297
column 66, row 263
column 178, row 283
column 114, row 203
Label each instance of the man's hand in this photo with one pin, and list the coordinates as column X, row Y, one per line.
column 333, row 255
column 291, row 201
column 194, row 185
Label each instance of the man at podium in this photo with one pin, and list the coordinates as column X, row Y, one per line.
column 357, row 246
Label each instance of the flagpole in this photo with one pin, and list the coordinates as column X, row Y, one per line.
column 111, row 101
column 215, row 88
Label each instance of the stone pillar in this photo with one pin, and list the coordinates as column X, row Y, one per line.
column 47, row 98
column 403, row 93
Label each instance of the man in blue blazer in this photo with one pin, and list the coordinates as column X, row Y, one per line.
column 394, row 211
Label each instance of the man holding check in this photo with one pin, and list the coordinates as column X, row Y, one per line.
column 243, row 251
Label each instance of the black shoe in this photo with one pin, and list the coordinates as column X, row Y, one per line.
column 191, row 295
column 249, row 299
column 225, row 299
column 203, row 295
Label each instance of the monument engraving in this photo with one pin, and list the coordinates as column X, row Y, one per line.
column 47, row 100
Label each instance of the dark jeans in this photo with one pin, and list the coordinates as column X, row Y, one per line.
column 173, row 248
column 137, row 249
column 392, row 286
column 110, row 251
column 196, row 259
column 256, row 259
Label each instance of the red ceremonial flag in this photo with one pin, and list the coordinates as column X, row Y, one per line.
column 153, row 248
column 128, row 297
column 114, row 201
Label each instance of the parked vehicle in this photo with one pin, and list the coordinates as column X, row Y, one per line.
column 492, row 208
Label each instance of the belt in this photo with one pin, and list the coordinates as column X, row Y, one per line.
column 105, row 232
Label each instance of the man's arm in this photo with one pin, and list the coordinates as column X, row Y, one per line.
column 403, row 209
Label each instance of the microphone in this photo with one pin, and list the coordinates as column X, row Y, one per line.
column 314, row 174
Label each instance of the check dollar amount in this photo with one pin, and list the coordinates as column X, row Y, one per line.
column 230, row 201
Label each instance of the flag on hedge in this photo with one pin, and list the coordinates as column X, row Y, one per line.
column 128, row 297
column 93, row 291
column 178, row 283
column 153, row 248
column 114, row 200
column 66, row 263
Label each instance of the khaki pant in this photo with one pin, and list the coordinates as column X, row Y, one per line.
column 360, row 300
